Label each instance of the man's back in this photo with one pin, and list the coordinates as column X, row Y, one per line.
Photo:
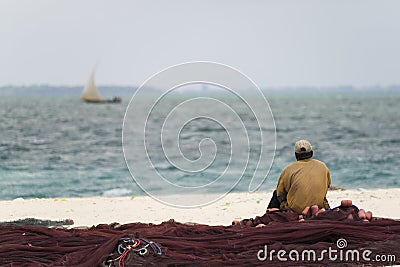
column 304, row 183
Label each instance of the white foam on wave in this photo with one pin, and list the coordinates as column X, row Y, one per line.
column 116, row 192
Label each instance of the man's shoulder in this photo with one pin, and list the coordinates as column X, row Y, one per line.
column 297, row 164
column 315, row 161
column 291, row 166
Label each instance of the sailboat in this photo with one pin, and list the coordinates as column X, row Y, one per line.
column 90, row 94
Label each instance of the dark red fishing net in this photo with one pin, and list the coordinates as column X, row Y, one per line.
column 199, row 245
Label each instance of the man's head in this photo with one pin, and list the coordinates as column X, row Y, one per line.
column 303, row 150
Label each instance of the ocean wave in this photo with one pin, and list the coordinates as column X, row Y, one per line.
column 53, row 147
column 116, row 192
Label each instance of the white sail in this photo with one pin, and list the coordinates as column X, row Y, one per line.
column 90, row 92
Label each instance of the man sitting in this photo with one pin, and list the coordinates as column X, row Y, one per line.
column 302, row 183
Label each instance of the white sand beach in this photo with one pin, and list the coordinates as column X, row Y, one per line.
column 98, row 210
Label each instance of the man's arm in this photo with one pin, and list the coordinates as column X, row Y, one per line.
column 283, row 185
column 328, row 176
column 279, row 195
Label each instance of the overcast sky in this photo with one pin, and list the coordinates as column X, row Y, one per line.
column 276, row 43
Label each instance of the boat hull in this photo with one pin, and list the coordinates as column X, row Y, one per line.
column 108, row 101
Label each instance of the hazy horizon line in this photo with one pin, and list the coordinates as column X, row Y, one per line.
column 333, row 87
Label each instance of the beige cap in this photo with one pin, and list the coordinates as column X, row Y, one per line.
column 302, row 146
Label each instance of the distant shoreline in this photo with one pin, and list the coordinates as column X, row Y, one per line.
column 123, row 90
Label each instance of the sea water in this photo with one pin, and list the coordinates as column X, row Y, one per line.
column 61, row 147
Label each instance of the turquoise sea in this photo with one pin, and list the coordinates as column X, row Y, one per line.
column 56, row 146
